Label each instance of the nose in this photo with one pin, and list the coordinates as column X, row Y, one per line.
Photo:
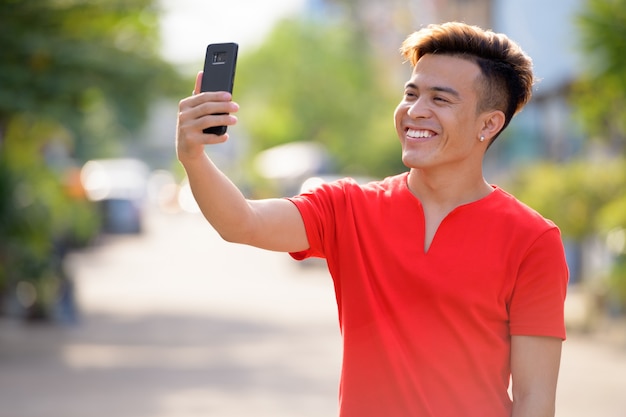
column 418, row 109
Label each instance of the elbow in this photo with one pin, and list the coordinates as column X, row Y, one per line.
column 229, row 236
column 232, row 238
column 238, row 234
column 236, row 226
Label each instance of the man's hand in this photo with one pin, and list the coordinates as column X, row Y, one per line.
column 197, row 113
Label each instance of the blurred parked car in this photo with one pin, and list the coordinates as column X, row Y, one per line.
column 119, row 186
column 286, row 166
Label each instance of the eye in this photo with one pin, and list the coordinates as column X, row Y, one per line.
column 440, row 99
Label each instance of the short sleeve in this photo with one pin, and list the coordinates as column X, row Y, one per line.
column 537, row 303
column 317, row 209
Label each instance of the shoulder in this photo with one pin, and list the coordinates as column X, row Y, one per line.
column 388, row 186
column 347, row 196
column 353, row 186
column 510, row 220
column 511, row 209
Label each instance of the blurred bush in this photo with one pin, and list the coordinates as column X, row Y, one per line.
column 76, row 78
column 599, row 96
column 585, row 198
column 43, row 214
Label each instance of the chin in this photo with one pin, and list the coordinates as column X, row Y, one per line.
column 410, row 162
column 416, row 161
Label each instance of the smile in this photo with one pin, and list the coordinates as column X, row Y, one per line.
column 420, row 134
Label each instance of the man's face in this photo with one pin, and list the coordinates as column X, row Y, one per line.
column 437, row 120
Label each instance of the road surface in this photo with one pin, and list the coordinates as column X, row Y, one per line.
column 177, row 323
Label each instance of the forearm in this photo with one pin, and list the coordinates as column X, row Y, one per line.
column 535, row 368
column 273, row 224
column 220, row 201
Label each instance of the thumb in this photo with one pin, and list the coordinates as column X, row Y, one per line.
column 198, row 85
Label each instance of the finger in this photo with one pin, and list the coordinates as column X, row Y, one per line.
column 195, row 138
column 190, row 139
column 198, row 85
column 214, row 139
column 214, row 120
column 192, row 122
column 203, row 104
column 205, row 99
column 214, row 110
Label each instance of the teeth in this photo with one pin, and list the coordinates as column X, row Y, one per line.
column 419, row 133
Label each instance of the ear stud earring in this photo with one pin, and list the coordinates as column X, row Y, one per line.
column 482, row 138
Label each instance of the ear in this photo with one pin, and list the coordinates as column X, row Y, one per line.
column 492, row 123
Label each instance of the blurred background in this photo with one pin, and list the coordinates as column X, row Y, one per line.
column 106, row 265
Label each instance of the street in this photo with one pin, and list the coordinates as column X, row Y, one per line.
column 177, row 323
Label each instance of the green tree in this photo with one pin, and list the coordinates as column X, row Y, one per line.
column 91, row 65
column 600, row 95
column 599, row 98
column 76, row 74
column 579, row 196
column 311, row 81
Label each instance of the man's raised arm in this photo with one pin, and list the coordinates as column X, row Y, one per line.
column 273, row 224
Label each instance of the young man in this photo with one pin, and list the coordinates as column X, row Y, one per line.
column 448, row 288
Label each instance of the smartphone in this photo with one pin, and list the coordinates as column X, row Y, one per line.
column 219, row 73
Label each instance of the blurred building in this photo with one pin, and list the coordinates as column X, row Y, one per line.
column 545, row 30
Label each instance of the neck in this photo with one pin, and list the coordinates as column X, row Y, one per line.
column 447, row 191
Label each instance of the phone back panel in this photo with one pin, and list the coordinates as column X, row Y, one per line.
column 219, row 67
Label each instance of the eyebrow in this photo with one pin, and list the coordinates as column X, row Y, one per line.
column 440, row 89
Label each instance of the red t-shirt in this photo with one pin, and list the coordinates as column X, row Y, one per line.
column 428, row 333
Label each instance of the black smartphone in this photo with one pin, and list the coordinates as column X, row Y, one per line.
column 219, row 73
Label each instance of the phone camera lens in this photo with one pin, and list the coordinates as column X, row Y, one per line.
column 219, row 57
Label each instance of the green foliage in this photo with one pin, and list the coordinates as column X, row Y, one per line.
column 38, row 215
column 599, row 99
column 75, row 74
column 600, row 96
column 319, row 82
column 583, row 198
column 617, row 283
column 67, row 60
